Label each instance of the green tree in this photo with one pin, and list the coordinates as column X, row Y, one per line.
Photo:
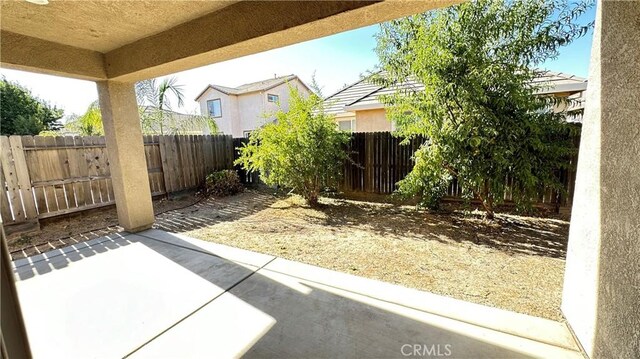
column 302, row 150
column 21, row 113
column 478, row 109
column 88, row 124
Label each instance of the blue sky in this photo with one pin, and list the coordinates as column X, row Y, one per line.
column 337, row 60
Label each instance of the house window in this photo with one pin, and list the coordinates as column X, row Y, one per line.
column 346, row 125
column 246, row 134
column 215, row 108
column 272, row 98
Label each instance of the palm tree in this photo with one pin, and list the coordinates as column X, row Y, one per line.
column 158, row 95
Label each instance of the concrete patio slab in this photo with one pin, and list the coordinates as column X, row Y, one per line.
column 276, row 315
column 107, row 299
column 522, row 325
column 161, row 295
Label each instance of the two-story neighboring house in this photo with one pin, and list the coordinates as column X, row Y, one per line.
column 358, row 108
column 240, row 110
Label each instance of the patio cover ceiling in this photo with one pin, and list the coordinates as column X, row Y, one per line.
column 134, row 40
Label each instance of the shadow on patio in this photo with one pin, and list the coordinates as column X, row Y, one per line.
column 157, row 294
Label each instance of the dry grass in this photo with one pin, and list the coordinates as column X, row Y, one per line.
column 515, row 263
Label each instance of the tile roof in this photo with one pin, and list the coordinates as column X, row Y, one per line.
column 364, row 94
column 558, row 82
column 350, row 94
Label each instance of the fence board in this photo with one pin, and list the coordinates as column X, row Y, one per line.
column 103, row 169
column 11, row 178
column 175, row 164
column 75, row 189
column 24, row 181
column 88, row 156
column 191, row 165
column 67, row 188
column 5, row 208
column 164, row 153
column 199, row 158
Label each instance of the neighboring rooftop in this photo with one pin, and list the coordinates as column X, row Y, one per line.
column 150, row 109
column 364, row 94
column 559, row 83
column 262, row 85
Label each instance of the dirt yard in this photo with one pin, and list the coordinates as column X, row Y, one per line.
column 515, row 263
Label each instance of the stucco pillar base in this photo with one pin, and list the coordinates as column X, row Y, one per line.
column 126, row 155
column 601, row 294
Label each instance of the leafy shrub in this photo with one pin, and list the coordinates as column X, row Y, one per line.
column 223, row 183
column 302, row 150
column 480, row 106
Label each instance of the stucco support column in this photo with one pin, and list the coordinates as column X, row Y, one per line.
column 126, row 154
column 601, row 294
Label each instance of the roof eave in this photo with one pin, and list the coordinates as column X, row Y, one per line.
column 364, row 107
column 568, row 88
column 214, row 87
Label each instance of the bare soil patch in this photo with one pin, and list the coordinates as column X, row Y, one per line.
column 515, row 262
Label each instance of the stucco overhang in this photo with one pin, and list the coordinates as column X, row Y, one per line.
column 134, row 40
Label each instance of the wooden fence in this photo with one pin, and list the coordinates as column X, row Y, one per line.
column 378, row 162
column 50, row 176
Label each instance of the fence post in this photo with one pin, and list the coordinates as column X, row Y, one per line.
column 168, row 186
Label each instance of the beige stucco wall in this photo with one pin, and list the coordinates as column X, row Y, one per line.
column 257, row 111
column 245, row 112
column 601, row 293
column 372, row 121
column 229, row 107
column 250, row 108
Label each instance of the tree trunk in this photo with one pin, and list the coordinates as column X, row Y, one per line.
column 487, row 202
column 488, row 207
column 312, row 200
column 313, row 192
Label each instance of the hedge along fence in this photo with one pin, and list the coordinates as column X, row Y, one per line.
column 379, row 162
column 50, row 176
